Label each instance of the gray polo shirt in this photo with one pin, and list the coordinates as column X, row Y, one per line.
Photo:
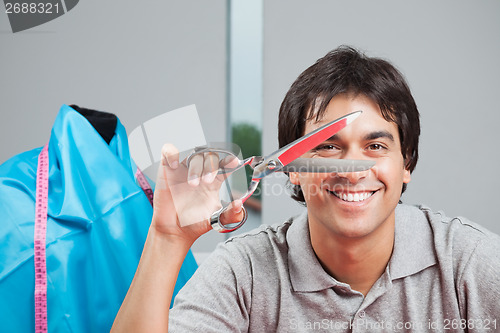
column 443, row 276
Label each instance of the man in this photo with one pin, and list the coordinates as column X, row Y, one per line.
column 356, row 261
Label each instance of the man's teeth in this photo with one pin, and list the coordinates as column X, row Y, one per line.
column 350, row 197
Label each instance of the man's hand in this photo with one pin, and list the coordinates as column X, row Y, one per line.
column 185, row 197
column 184, row 200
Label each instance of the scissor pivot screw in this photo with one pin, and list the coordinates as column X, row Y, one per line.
column 272, row 165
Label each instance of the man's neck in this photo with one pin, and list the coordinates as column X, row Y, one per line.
column 358, row 262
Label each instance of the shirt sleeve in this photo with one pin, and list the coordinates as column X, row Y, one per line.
column 217, row 298
column 479, row 287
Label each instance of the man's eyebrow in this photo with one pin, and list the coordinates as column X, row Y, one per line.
column 379, row 135
column 334, row 137
column 368, row 137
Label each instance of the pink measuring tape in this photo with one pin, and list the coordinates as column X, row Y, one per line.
column 42, row 195
column 143, row 183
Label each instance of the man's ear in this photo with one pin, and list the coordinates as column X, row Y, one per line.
column 294, row 178
column 406, row 176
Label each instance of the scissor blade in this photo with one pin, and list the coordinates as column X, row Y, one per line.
column 327, row 165
column 303, row 144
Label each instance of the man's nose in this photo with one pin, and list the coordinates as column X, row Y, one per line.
column 353, row 177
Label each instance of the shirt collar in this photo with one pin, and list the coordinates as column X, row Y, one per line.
column 413, row 243
column 413, row 235
column 306, row 272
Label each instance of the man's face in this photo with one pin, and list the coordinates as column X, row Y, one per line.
column 358, row 203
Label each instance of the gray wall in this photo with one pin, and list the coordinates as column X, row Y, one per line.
column 135, row 60
column 448, row 50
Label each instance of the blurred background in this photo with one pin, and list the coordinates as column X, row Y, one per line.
column 235, row 59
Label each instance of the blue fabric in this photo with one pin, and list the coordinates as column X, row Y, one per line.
column 98, row 219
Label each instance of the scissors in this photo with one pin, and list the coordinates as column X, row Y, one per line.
column 286, row 159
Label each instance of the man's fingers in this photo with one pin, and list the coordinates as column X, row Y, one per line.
column 228, row 162
column 195, row 169
column 204, row 166
column 233, row 213
column 170, row 155
column 210, row 167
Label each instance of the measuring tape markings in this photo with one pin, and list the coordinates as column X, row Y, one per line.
column 42, row 195
column 143, row 183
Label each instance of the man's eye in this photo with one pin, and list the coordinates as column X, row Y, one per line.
column 376, row 147
column 326, row 150
column 326, row 147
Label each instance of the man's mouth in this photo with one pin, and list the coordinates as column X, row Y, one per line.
column 352, row 196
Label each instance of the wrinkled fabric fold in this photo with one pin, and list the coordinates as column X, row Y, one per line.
column 98, row 219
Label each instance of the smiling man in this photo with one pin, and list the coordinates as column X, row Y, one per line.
column 357, row 260
column 351, row 215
